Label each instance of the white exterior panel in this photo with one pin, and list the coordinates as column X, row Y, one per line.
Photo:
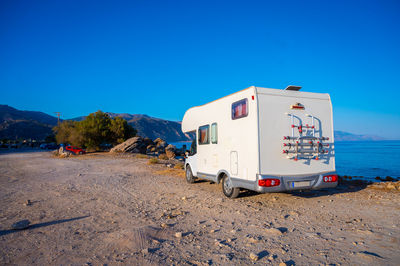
column 274, row 123
column 237, row 149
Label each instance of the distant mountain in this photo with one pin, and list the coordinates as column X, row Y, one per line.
column 151, row 127
column 345, row 136
column 16, row 124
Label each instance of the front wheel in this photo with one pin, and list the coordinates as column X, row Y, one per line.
column 189, row 175
column 228, row 189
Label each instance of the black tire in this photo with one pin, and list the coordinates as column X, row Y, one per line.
column 229, row 191
column 80, row 153
column 189, row 175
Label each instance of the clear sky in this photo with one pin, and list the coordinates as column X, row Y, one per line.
column 162, row 57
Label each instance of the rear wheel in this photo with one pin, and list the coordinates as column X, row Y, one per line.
column 80, row 153
column 228, row 189
column 189, row 175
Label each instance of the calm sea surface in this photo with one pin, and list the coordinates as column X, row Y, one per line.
column 367, row 159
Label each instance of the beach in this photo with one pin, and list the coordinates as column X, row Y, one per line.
column 101, row 209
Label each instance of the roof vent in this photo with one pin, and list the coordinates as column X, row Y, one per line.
column 292, row 88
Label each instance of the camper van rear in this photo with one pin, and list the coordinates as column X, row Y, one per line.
column 261, row 139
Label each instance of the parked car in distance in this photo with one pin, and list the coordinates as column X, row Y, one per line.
column 75, row 150
column 43, row 146
column 48, row 146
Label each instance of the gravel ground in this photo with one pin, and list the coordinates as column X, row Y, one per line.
column 102, row 209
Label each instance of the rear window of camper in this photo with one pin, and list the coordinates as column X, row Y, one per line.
column 240, row 109
column 204, row 135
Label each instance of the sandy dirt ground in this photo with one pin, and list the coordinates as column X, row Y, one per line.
column 102, row 209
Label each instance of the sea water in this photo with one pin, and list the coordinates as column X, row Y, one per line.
column 366, row 159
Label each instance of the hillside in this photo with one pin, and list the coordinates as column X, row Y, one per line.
column 17, row 124
column 345, row 136
column 151, row 127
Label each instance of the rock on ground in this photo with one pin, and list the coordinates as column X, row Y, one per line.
column 133, row 145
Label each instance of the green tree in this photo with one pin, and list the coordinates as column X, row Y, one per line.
column 96, row 129
column 121, row 130
column 63, row 131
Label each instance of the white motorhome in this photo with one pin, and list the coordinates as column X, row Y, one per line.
column 266, row 140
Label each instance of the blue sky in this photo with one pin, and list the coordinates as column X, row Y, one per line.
column 162, row 57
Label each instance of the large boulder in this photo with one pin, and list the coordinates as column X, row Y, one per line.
column 150, row 149
column 148, row 141
column 133, row 145
column 160, row 144
column 170, row 151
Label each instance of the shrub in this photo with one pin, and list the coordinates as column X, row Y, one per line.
column 141, row 156
column 153, row 161
column 163, row 156
column 179, row 166
column 96, row 129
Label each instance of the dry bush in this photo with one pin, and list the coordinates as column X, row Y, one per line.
column 179, row 166
column 153, row 161
column 163, row 156
column 141, row 156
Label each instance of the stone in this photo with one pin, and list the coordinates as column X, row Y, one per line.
column 390, row 186
column 273, row 231
column 282, row 264
column 160, row 144
column 132, row 145
column 28, row 203
column 145, row 251
column 148, row 141
column 252, row 240
column 20, row 225
column 254, row 256
column 170, row 151
column 178, row 234
column 164, row 225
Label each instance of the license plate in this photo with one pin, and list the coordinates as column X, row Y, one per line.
column 301, row 184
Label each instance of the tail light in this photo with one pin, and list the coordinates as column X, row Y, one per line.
column 269, row 182
column 330, row 178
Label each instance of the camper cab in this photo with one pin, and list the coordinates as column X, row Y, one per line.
column 265, row 140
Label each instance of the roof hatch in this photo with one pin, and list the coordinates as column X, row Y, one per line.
column 293, row 88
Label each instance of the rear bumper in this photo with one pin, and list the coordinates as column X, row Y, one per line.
column 290, row 183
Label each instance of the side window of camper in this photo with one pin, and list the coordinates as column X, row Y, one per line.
column 214, row 133
column 193, row 148
column 240, row 109
column 204, row 134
